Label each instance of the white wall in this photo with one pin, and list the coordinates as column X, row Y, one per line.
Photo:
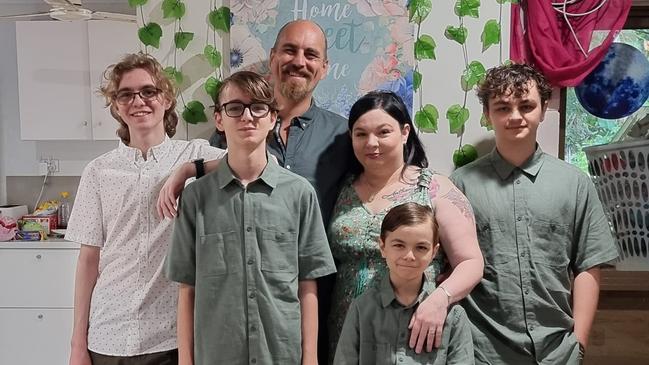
column 20, row 158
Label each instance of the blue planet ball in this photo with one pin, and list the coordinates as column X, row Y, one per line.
column 618, row 86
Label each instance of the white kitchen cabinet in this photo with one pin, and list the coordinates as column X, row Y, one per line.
column 60, row 67
column 108, row 42
column 53, row 80
column 36, row 301
column 35, row 336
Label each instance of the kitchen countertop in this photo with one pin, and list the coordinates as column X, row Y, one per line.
column 58, row 243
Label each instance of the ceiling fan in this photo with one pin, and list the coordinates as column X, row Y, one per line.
column 69, row 10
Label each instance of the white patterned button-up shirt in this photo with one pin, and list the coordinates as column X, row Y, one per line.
column 133, row 306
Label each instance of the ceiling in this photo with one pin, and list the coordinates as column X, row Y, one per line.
column 12, row 7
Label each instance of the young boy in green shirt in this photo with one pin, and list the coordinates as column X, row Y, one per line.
column 375, row 331
column 247, row 246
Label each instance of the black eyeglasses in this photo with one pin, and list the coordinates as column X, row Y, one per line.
column 235, row 109
column 126, row 96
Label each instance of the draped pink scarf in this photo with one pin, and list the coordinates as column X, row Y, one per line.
column 542, row 37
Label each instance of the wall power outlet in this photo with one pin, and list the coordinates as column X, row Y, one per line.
column 48, row 165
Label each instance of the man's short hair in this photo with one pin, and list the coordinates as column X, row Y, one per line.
column 512, row 79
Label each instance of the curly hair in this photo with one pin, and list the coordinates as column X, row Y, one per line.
column 113, row 77
column 512, row 79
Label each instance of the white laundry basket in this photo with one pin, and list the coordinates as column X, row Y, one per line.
column 620, row 172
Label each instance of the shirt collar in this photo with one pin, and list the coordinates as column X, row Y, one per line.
column 269, row 176
column 156, row 152
column 308, row 116
column 530, row 167
column 387, row 292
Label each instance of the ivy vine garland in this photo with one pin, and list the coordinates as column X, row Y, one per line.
column 218, row 20
column 426, row 118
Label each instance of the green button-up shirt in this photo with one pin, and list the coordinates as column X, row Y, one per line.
column 539, row 225
column 376, row 331
column 244, row 249
column 318, row 149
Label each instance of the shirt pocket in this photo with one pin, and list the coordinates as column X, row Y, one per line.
column 278, row 251
column 550, row 243
column 496, row 246
column 372, row 353
column 211, row 257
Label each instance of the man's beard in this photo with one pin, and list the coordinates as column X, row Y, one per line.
column 294, row 91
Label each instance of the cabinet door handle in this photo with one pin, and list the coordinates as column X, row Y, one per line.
column 39, row 256
column 40, row 316
column 85, row 123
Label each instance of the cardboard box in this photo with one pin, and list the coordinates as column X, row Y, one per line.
column 48, row 222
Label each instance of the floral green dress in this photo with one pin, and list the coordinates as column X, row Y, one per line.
column 354, row 239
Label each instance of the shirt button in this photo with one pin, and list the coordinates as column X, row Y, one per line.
column 251, row 295
column 288, row 167
column 531, row 327
column 527, row 291
column 518, row 181
column 523, row 254
column 251, row 261
column 249, row 229
column 519, row 219
column 253, row 328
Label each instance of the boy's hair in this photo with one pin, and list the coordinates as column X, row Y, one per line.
column 253, row 85
column 113, row 76
column 512, row 79
column 409, row 214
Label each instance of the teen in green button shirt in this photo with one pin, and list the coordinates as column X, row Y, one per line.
column 376, row 331
column 542, row 231
column 247, row 247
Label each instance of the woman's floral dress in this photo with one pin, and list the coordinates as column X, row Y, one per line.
column 354, row 239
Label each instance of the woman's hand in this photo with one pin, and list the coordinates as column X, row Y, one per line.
column 428, row 321
column 166, row 205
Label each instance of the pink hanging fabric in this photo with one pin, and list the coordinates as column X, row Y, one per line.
column 540, row 36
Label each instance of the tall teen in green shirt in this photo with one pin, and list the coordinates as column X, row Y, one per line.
column 541, row 229
column 247, row 247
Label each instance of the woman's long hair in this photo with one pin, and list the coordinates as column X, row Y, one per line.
column 391, row 103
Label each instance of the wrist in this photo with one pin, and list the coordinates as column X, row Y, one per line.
column 446, row 293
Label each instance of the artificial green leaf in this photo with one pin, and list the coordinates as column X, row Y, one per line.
column 464, row 155
column 418, row 10
column 490, row 34
column 467, row 8
column 426, row 119
column 457, row 34
column 457, row 116
column 472, row 75
column 150, row 35
column 194, row 112
column 182, row 39
column 213, row 56
column 220, row 19
column 485, row 123
column 174, row 9
column 416, row 80
column 212, row 86
column 425, row 48
column 136, row 3
column 174, row 74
